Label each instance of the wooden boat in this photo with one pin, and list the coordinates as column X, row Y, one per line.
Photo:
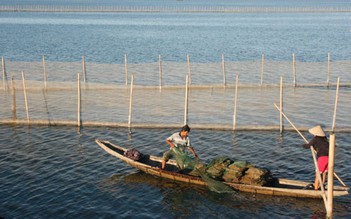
column 151, row 165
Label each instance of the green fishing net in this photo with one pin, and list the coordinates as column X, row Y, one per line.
column 223, row 169
column 184, row 161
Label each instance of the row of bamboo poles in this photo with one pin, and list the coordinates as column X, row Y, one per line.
column 188, row 84
column 179, row 8
column 160, row 67
column 131, row 87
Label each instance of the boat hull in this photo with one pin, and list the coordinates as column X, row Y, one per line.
column 151, row 165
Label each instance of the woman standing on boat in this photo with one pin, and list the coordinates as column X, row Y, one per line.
column 320, row 143
column 178, row 141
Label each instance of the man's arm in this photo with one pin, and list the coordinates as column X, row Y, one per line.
column 170, row 143
column 191, row 149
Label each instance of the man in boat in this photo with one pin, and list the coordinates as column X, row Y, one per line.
column 178, row 142
column 320, row 144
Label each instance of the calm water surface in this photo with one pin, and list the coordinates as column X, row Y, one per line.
column 105, row 37
column 53, row 172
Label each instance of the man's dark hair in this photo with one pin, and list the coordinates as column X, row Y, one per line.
column 185, row 128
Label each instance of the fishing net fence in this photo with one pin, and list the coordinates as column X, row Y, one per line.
column 220, row 95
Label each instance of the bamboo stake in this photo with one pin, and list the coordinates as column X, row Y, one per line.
column 130, row 103
column 84, row 69
column 25, row 97
column 186, row 100
column 336, row 104
column 126, row 69
column 4, row 79
column 44, row 69
column 328, row 77
column 294, row 69
column 235, row 101
column 334, row 121
column 13, row 94
column 313, row 155
column 160, row 70
column 262, row 69
column 79, row 102
column 281, row 105
column 189, row 73
column 223, row 71
column 330, row 175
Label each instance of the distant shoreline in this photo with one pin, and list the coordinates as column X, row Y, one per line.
column 171, row 9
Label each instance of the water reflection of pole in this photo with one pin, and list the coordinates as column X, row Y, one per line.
column 25, row 97
column 235, row 101
column 130, row 103
column 13, row 94
column 186, row 100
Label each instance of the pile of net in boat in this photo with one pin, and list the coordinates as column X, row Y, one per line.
column 223, row 169
column 198, row 168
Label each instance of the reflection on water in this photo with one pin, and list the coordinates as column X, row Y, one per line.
column 186, row 196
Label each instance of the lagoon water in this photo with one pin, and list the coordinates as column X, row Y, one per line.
column 59, row 172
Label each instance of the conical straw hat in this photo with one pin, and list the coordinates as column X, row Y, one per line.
column 317, row 130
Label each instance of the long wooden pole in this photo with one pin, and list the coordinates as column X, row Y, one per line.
column 330, row 175
column 126, row 69
column 25, row 97
column 328, row 77
column 294, row 69
column 281, row 105
column 79, row 101
column 235, row 101
column 223, row 71
column 313, row 155
column 189, row 72
column 13, row 94
column 160, row 71
column 303, row 137
column 262, row 69
column 336, row 104
column 186, row 100
column 130, row 103
column 44, row 72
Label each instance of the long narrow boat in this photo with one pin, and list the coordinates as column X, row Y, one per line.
column 151, row 165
